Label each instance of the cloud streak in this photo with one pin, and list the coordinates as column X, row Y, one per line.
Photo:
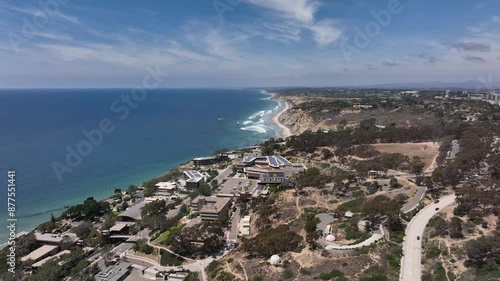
column 302, row 14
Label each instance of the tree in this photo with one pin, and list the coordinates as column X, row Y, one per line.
column 342, row 124
column 416, row 165
column 83, row 230
column 380, row 206
column 455, row 228
column 131, row 189
column 393, row 183
column 272, row 241
column 368, row 124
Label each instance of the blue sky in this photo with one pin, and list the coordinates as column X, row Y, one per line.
column 241, row 43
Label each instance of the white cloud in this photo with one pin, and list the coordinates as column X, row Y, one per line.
column 300, row 10
column 54, row 36
column 301, row 14
column 325, row 33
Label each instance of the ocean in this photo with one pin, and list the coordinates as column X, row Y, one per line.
column 67, row 145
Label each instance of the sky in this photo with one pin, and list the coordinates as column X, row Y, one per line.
column 247, row 43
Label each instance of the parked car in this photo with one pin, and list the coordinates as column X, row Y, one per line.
column 436, row 201
column 418, row 237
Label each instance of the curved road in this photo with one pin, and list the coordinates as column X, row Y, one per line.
column 410, row 262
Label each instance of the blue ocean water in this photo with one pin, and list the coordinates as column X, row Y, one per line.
column 169, row 127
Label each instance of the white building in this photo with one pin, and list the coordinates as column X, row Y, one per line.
column 245, row 226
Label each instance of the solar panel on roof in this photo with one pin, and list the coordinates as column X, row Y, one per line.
column 272, row 161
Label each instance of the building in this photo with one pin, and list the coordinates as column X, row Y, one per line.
column 178, row 276
column 207, row 161
column 210, row 208
column 245, row 226
column 447, row 94
column 166, row 188
column 133, row 213
column 363, row 225
column 265, row 172
column 117, row 272
column 194, row 179
column 348, row 214
column 55, row 239
column 49, row 258
column 362, row 106
column 40, row 253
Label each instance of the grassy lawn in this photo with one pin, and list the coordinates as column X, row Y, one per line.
column 164, row 236
column 117, row 213
column 354, row 206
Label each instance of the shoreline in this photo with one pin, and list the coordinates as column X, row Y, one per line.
column 285, row 131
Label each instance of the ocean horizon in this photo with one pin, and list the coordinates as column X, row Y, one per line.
column 69, row 144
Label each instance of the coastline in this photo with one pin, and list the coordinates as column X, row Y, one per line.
column 285, row 131
column 43, row 215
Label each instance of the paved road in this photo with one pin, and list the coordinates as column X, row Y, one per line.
column 224, row 174
column 410, row 262
column 415, row 200
column 455, row 148
column 233, row 233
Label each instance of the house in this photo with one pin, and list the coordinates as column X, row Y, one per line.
column 194, row 179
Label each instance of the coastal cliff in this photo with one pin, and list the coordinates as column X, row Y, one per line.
column 298, row 120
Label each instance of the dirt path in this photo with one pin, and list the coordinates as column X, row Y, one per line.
column 228, row 267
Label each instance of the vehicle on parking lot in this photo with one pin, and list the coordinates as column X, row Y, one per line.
column 418, row 237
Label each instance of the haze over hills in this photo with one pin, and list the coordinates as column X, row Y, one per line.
column 470, row 85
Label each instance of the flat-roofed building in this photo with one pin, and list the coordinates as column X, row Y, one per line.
column 55, row 238
column 166, row 188
column 256, row 172
column 210, row 208
column 193, row 179
column 49, row 258
column 117, row 272
column 207, row 161
column 40, row 253
column 245, row 226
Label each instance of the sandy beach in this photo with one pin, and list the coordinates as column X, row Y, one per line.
column 285, row 131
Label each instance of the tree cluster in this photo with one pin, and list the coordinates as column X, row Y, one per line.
column 273, row 241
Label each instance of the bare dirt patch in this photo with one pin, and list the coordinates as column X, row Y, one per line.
column 428, row 151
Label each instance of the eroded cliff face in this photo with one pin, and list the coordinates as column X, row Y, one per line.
column 300, row 121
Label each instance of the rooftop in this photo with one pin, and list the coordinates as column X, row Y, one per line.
column 215, row 205
column 134, row 212
column 114, row 273
column 193, row 176
column 54, row 238
column 49, row 258
column 39, row 253
column 166, row 185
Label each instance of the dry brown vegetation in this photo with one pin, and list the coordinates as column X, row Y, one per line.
column 428, row 151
